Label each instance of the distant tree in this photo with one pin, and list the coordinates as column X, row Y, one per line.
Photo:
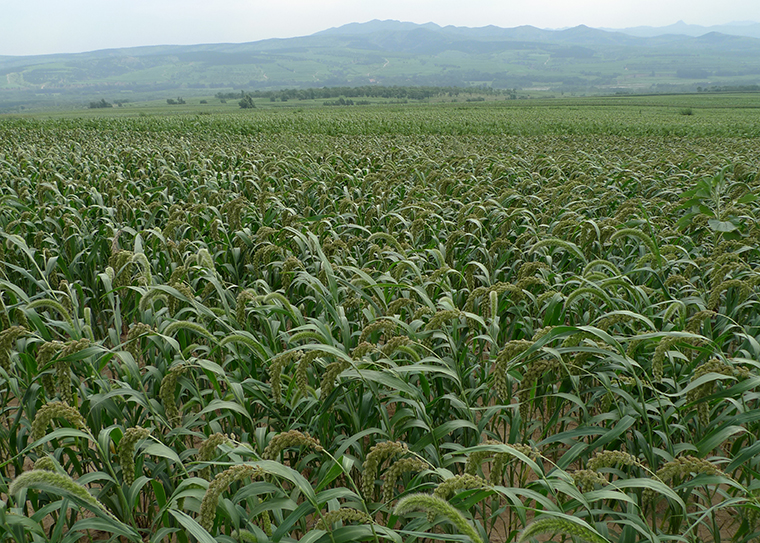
column 173, row 102
column 247, row 102
column 101, row 104
column 204, row 101
column 339, row 102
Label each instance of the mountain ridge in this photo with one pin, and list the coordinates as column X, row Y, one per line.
column 577, row 59
column 749, row 29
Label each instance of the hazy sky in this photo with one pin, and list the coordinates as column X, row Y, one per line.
column 30, row 27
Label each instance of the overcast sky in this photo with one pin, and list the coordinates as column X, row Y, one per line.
column 29, row 27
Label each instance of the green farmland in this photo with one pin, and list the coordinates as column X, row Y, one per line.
column 524, row 320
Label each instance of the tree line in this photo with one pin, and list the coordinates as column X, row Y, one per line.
column 367, row 91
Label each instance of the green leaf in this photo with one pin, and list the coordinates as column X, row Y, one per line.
column 386, row 379
column 440, row 431
column 746, row 453
column 159, row 491
column 106, row 525
column 190, row 524
column 135, row 490
column 615, row 432
column 163, row 534
column 211, row 366
column 275, row 468
column 347, row 534
column 222, row 405
column 717, row 438
column 159, row 449
column 653, row 484
column 334, row 472
column 747, row 198
column 58, row 434
column 302, row 511
column 721, row 226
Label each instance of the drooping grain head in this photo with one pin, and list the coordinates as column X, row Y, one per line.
column 50, row 411
column 219, row 484
column 126, row 452
column 396, row 470
column 8, row 338
column 291, row 438
column 132, row 343
column 436, row 506
column 561, row 526
column 275, row 370
column 167, row 394
column 57, row 481
column 344, row 515
column 376, row 456
column 207, row 451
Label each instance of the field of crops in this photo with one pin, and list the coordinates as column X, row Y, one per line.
column 402, row 325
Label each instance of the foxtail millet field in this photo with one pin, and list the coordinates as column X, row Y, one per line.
column 491, row 322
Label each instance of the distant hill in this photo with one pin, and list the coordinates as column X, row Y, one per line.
column 576, row 60
column 747, row 29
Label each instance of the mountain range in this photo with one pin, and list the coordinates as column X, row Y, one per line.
column 749, row 29
column 578, row 59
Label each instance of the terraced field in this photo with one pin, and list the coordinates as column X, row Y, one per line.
column 414, row 324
